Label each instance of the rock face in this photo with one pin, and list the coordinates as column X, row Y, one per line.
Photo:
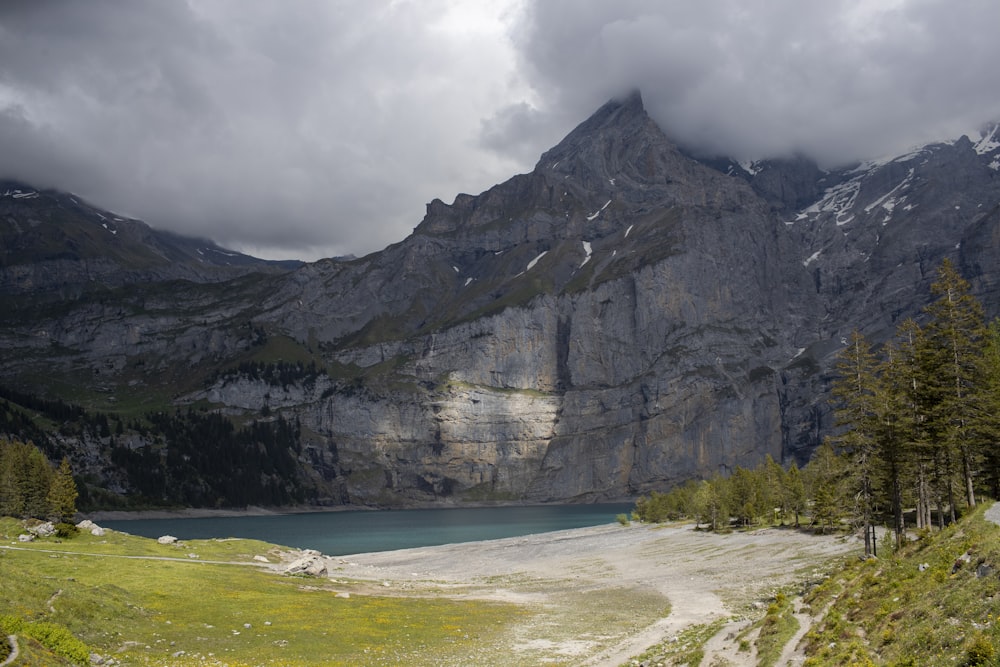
column 621, row 319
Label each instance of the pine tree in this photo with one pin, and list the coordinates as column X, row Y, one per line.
column 896, row 434
column 25, row 477
column 857, row 392
column 793, row 492
column 825, row 477
column 955, row 332
column 62, row 493
column 987, row 424
column 708, row 504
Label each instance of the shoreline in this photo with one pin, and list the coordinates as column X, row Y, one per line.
column 254, row 510
column 702, row 577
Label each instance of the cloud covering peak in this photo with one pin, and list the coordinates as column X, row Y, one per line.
column 318, row 128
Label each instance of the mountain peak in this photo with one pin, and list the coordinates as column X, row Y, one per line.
column 620, row 115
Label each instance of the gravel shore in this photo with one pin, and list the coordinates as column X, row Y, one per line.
column 700, row 576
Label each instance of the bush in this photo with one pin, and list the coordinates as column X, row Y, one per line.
column 59, row 640
column 623, row 519
column 55, row 638
column 66, row 530
column 980, row 653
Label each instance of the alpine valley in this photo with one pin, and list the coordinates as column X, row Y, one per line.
column 621, row 319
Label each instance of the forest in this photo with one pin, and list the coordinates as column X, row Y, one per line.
column 917, row 424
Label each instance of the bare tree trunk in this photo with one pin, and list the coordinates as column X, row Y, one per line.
column 970, row 493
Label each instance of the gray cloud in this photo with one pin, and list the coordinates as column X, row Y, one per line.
column 316, row 128
column 839, row 80
column 311, row 129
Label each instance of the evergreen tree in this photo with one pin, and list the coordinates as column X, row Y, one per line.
column 25, row 478
column 773, row 484
column 62, row 493
column 708, row 503
column 857, row 392
column 825, row 480
column 793, row 492
column 987, row 423
column 908, row 376
column 955, row 332
column 895, row 436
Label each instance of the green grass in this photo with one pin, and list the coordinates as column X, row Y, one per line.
column 777, row 628
column 890, row 611
column 146, row 611
column 687, row 648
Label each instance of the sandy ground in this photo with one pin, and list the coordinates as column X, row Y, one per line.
column 571, row 580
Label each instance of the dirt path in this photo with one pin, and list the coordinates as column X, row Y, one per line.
column 14, row 651
column 724, row 647
column 704, row 576
column 790, row 655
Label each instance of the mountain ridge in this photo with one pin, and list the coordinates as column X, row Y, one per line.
column 620, row 319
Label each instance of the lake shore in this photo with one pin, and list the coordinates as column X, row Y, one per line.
column 703, row 576
column 252, row 510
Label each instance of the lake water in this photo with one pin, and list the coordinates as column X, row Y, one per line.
column 350, row 532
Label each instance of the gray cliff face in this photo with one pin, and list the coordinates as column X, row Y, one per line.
column 621, row 319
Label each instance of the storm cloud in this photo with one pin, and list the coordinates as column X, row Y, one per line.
column 319, row 128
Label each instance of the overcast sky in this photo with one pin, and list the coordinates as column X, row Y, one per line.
column 322, row 127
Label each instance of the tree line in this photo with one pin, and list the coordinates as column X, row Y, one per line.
column 919, row 416
column 917, row 422
column 31, row 488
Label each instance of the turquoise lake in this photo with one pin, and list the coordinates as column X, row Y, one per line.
column 351, row 532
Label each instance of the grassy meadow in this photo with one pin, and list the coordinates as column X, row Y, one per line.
column 206, row 602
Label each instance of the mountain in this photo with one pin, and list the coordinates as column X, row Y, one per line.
column 624, row 317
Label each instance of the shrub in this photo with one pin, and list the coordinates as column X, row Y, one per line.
column 59, row 640
column 66, row 530
column 980, row 653
column 54, row 637
column 623, row 519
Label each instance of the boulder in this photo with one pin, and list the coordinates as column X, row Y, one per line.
column 167, row 539
column 310, row 563
column 43, row 529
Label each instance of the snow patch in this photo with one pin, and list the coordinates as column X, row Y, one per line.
column 838, row 200
column 888, row 201
column 750, row 167
column 456, row 269
column 105, row 225
column 18, row 194
column 594, row 215
column 813, row 257
column 989, row 141
column 467, row 281
column 586, row 249
column 628, row 230
column 532, row 263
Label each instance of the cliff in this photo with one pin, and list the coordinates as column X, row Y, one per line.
column 621, row 319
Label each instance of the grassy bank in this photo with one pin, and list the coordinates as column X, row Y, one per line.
column 206, row 602
column 937, row 602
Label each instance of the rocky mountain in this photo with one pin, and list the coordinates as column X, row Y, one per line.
column 623, row 318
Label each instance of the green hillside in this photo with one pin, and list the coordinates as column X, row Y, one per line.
column 933, row 603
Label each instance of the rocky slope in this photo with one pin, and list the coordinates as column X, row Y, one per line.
column 620, row 319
